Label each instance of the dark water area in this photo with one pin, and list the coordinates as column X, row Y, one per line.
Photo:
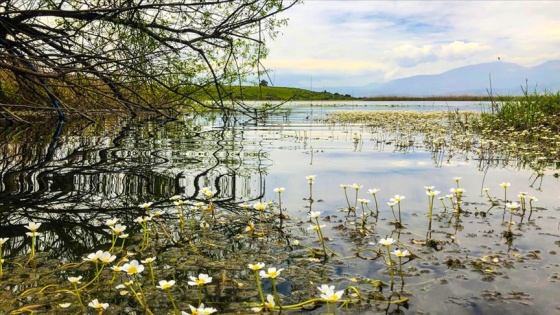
column 73, row 177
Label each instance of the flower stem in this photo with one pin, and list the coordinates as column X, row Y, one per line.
column 172, row 301
column 259, row 287
column 78, row 294
column 390, row 265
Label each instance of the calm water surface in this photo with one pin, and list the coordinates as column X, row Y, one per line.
column 90, row 173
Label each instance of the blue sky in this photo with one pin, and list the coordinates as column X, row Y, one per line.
column 329, row 43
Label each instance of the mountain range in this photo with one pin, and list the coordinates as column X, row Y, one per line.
column 504, row 78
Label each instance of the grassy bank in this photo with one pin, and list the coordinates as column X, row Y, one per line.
column 527, row 113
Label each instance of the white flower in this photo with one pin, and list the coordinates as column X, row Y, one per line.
column 387, row 241
column 94, row 257
column 123, row 235
column 143, row 219
column 310, row 178
column 118, row 228
column 432, row 193
column 373, row 191
column 365, row 201
column 324, row 288
column 201, row 280
column 98, row 306
column 259, row 206
column 269, row 304
column 505, row 185
column 250, row 227
column 315, row 214
column 279, row 190
column 159, row 213
column 111, row 222
column 356, row 186
column 148, row 260
column 176, row 198
column 330, row 295
column 33, row 226
column 201, row 310
column 512, row 206
column 315, row 227
column 399, row 253
column 64, row 305
column 256, row 266
column 132, row 268
column 106, row 257
column 271, row 273
column 207, row 192
column 398, row 198
column 75, row 279
column 145, row 205
column 164, row 284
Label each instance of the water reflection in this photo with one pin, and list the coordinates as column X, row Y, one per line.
column 73, row 177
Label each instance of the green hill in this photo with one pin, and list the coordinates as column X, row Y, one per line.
column 282, row 93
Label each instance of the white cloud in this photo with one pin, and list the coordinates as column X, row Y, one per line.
column 373, row 41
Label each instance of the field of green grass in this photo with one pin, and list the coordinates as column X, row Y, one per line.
column 282, row 93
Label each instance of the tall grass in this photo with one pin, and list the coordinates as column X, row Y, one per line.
column 525, row 113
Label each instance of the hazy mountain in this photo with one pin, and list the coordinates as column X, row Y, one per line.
column 507, row 79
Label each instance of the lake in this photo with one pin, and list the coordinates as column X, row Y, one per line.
column 88, row 173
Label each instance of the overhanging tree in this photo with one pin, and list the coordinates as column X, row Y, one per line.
column 106, row 55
